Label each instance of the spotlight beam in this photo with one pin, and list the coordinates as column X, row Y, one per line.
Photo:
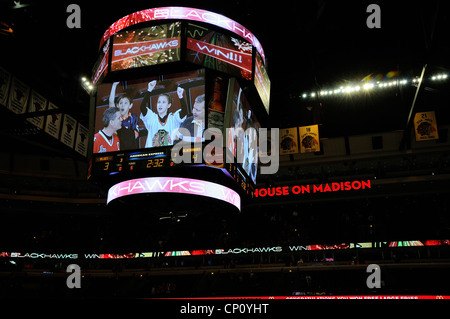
column 406, row 136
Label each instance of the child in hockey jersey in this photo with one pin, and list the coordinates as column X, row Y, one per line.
column 162, row 125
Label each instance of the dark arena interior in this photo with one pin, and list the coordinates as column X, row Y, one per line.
column 371, row 186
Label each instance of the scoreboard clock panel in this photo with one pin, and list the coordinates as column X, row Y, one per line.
column 142, row 161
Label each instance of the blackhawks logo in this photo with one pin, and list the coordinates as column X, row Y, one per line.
column 162, row 138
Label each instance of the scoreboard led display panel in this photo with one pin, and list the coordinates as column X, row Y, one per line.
column 151, row 185
column 262, row 82
column 147, row 113
column 146, row 46
column 219, row 51
column 243, row 130
column 183, row 13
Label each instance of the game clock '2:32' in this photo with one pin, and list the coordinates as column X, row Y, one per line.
column 157, row 162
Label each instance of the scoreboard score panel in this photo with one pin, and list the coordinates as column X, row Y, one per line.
column 122, row 162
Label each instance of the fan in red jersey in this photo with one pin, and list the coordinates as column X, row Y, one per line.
column 106, row 140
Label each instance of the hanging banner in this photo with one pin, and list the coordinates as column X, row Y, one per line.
column 309, row 139
column 81, row 141
column 53, row 122
column 37, row 103
column 425, row 126
column 289, row 141
column 18, row 96
column 5, row 80
column 68, row 130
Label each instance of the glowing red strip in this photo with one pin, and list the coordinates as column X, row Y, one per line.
column 349, row 297
column 174, row 185
column 183, row 13
column 310, row 189
column 102, row 68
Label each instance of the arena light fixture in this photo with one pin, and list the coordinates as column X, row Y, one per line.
column 439, row 77
column 86, row 84
column 353, row 88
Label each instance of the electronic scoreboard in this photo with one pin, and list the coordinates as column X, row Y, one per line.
column 179, row 97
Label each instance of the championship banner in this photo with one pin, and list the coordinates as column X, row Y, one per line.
column 81, row 141
column 68, row 130
column 289, row 141
column 53, row 122
column 5, row 80
column 238, row 59
column 309, row 139
column 425, row 126
column 18, row 96
column 37, row 103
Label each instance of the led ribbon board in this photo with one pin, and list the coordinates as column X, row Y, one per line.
column 183, row 13
column 175, row 185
